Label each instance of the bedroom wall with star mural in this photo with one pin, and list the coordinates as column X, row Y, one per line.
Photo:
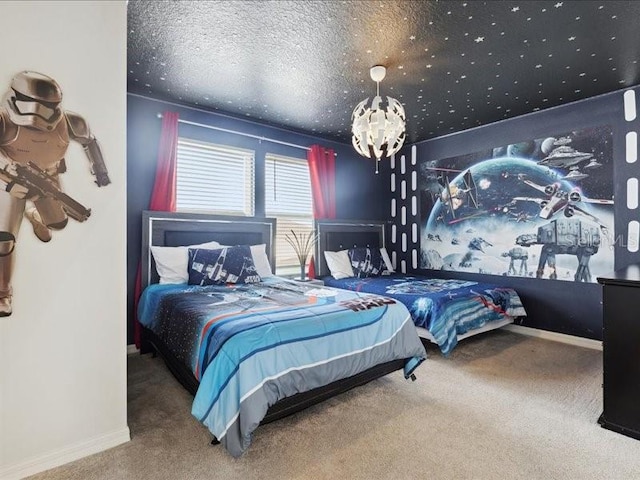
column 540, row 203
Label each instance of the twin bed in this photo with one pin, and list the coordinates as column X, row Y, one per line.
column 255, row 352
column 443, row 311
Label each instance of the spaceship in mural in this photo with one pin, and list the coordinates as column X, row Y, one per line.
column 575, row 175
column 519, row 217
column 477, row 243
column 564, row 156
column 558, row 199
column 453, row 196
column 562, row 141
column 593, row 164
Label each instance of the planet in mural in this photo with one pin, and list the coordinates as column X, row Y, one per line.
column 489, row 220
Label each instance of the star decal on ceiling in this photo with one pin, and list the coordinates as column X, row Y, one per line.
column 530, row 33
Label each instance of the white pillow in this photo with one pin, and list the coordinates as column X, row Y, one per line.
column 172, row 262
column 261, row 261
column 387, row 260
column 339, row 264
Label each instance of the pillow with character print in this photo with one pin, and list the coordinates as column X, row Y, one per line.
column 222, row 265
column 367, row 262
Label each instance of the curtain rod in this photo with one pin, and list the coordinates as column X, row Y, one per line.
column 235, row 132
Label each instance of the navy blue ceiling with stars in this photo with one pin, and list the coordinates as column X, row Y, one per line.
column 454, row 65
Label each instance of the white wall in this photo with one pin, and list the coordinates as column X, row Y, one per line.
column 63, row 351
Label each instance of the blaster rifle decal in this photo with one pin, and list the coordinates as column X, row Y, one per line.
column 42, row 184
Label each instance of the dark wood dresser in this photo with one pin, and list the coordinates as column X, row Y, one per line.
column 621, row 351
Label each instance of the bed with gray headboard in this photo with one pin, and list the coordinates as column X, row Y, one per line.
column 457, row 308
column 183, row 229
column 335, row 235
column 173, row 229
column 169, row 229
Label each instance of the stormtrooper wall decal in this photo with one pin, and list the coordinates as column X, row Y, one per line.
column 35, row 133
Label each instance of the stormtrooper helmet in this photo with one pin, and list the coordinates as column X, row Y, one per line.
column 34, row 101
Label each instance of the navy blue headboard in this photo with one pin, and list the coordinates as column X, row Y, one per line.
column 334, row 235
column 170, row 229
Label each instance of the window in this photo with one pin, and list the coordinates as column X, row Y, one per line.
column 288, row 198
column 214, row 178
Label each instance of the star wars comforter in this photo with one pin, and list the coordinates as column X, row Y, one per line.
column 447, row 308
column 251, row 345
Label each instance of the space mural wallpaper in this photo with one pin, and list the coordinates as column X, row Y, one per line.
column 541, row 208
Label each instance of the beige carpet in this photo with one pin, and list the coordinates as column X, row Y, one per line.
column 503, row 406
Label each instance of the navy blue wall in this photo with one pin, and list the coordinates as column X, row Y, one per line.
column 360, row 193
column 560, row 306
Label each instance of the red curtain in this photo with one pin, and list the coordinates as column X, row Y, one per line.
column 163, row 195
column 322, row 169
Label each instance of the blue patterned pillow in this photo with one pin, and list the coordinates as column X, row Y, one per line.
column 222, row 265
column 367, row 262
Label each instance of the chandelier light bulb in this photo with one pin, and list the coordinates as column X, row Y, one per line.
column 378, row 130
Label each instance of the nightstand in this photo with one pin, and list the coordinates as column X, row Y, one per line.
column 620, row 340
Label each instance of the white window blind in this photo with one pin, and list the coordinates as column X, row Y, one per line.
column 214, row 178
column 288, row 198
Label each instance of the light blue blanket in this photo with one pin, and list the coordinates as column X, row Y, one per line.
column 447, row 308
column 252, row 345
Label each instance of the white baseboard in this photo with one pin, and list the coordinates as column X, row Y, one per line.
column 555, row 336
column 132, row 349
column 65, row 455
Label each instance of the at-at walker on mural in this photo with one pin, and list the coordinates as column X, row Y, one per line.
column 564, row 236
column 515, row 254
